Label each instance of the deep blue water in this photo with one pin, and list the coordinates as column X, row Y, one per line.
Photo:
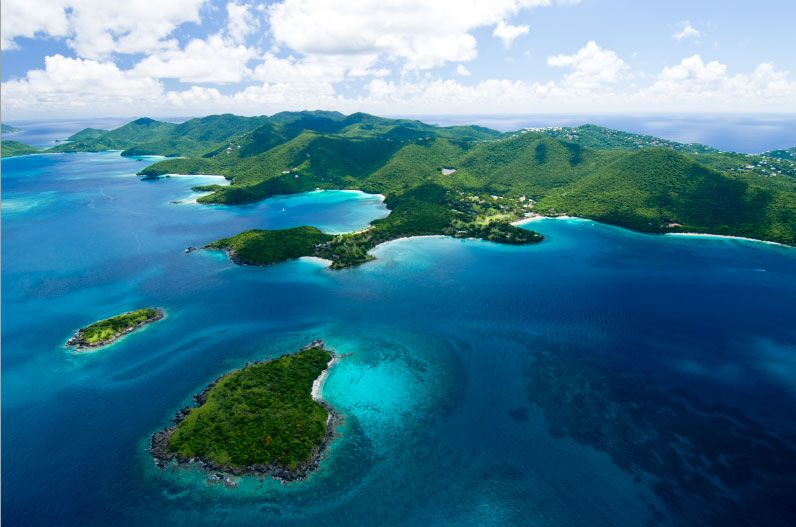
column 602, row 377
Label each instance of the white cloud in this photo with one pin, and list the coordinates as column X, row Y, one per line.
column 195, row 97
column 241, row 22
column 417, row 33
column 508, row 33
column 28, row 18
column 215, row 60
column 695, row 82
column 591, row 67
column 686, row 30
column 66, row 84
column 99, row 28
column 325, row 69
column 463, row 71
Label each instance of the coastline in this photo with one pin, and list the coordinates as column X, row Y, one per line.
column 317, row 384
column 724, row 236
column 538, row 217
column 158, row 447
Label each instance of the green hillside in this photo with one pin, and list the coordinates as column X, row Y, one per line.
column 789, row 154
column 15, row 148
column 458, row 180
column 660, row 190
column 87, row 134
column 134, row 133
column 601, row 138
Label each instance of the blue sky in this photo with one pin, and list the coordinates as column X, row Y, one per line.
column 192, row 57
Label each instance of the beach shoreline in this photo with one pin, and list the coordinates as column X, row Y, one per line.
column 723, row 236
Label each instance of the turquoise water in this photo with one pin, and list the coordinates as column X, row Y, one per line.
column 603, row 377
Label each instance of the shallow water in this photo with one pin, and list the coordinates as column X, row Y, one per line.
column 467, row 367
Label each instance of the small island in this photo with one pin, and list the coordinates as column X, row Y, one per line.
column 110, row 330
column 263, row 419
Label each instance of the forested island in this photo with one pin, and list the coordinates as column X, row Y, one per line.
column 465, row 181
column 263, row 419
column 109, row 330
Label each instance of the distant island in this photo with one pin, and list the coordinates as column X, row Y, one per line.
column 8, row 129
column 464, row 181
column 109, row 330
column 263, row 419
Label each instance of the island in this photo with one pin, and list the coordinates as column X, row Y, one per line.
column 468, row 181
column 110, row 330
column 8, row 129
column 265, row 419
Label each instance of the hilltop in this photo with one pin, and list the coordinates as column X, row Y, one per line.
column 470, row 180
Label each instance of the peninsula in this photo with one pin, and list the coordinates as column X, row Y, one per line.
column 262, row 419
column 15, row 148
column 109, row 330
column 426, row 210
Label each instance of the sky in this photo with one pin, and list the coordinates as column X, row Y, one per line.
column 95, row 58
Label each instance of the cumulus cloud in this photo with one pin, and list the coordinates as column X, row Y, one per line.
column 686, row 30
column 694, row 80
column 28, row 18
column 463, row 71
column 508, row 33
column 214, row 60
column 98, row 28
column 241, row 22
column 417, row 33
column 315, row 69
column 591, row 67
column 69, row 84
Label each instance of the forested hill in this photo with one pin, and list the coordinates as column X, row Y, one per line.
column 631, row 180
column 15, row 148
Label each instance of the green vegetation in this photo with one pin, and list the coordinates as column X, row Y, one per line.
column 258, row 419
column 601, row 138
column 8, row 129
column 428, row 209
column 260, row 247
column 181, row 166
column 631, row 180
column 657, row 190
column 106, row 331
column 87, row 134
column 789, row 154
column 15, row 148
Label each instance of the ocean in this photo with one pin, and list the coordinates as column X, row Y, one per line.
column 602, row 377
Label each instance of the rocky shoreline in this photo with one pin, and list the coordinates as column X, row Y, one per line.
column 163, row 457
column 79, row 344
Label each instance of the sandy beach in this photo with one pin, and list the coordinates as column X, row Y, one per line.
column 317, row 385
